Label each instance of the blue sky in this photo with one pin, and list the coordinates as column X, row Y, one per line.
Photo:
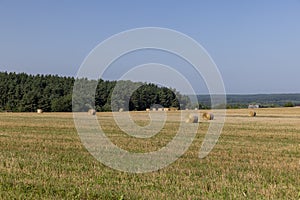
column 255, row 44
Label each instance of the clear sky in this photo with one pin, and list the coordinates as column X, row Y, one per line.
column 255, row 44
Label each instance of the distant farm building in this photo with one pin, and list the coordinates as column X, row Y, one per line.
column 253, row 106
column 161, row 109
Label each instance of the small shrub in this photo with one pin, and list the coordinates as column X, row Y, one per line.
column 289, row 104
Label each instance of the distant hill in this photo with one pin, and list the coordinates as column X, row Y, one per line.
column 264, row 100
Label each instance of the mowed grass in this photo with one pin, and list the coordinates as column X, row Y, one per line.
column 42, row 157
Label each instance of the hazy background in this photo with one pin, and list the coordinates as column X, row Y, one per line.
column 255, row 44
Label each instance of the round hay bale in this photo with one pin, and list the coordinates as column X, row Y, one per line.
column 121, row 110
column 192, row 119
column 173, row 109
column 148, row 109
column 252, row 113
column 208, row 116
column 39, row 111
column 92, row 112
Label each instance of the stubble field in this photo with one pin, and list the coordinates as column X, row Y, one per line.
column 42, row 157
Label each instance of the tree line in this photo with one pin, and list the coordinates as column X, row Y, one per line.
column 21, row 92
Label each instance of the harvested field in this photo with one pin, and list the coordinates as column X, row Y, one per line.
column 41, row 156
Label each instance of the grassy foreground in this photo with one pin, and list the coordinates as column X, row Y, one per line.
column 42, row 157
